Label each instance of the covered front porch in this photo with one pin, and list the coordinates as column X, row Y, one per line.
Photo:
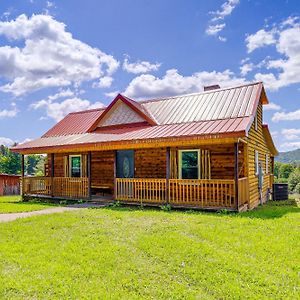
column 205, row 176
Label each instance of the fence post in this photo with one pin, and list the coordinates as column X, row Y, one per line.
column 167, row 174
column 52, row 174
column 22, row 175
column 236, row 174
column 89, row 174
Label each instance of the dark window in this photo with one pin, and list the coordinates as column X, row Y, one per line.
column 190, row 164
column 75, row 166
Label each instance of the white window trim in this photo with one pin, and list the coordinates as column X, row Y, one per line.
column 255, row 122
column 180, row 161
column 267, row 163
column 70, row 164
column 256, row 161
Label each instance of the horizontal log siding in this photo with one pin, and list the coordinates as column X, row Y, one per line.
column 256, row 141
column 102, row 168
column 222, row 160
column 150, row 163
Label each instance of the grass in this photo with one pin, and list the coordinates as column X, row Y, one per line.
column 123, row 253
column 13, row 204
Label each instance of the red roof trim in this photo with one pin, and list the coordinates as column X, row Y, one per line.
column 131, row 103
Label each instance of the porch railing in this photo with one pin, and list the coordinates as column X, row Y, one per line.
column 36, row 186
column 243, row 191
column 204, row 193
column 141, row 190
column 70, row 187
column 66, row 187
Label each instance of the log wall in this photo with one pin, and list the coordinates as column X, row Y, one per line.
column 256, row 141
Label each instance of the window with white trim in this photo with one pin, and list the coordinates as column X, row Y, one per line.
column 267, row 163
column 189, row 164
column 256, row 161
column 255, row 122
column 75, row 165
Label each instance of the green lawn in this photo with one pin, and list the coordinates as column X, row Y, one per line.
column 12, row 204
column 151, row 254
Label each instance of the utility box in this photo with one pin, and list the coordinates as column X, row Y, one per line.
column 280, row 191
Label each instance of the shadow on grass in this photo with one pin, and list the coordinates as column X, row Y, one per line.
column 273, row 210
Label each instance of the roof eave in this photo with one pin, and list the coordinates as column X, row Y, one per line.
column 152, row 143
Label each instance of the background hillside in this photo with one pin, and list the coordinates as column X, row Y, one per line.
column 289, row 156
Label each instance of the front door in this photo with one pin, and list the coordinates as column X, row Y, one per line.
column 125, row 169
column 125, row 164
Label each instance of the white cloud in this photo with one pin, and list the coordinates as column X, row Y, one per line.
column 215, row 29
column 290, row 146
column 112, row 94
column 104, row 82
column 246, row 68
column 57, row 110
column 272, row 106
column 139, row 66
column 61, row 94
column 50, row 57
column 219, row 16
column 6, row 141
column 173, row 83
column 49, row 4
column 291, row 133
column 9, row 113
column 286, row 68
column 289, row 116
column 226, row 10
column 260, row 39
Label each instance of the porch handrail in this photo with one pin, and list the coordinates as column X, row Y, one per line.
column 148, row 190
column 203, row 193
column 206, row 193
column 67, row 187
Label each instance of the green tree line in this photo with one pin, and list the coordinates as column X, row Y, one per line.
column 10, row 163
column 288, row 173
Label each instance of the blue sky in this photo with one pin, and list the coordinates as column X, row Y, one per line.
column 62, row 56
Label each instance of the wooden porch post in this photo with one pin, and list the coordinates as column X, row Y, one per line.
column 167, row 173
column 115, row 176
column 236, row 174
column 22, row 175
column 52, row 174
column 89, row 173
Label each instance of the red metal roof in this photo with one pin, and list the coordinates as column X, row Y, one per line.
column 75, row 123
column 217, row 128
column 220, row 112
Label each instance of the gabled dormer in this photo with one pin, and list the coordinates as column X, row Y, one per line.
column 121, row 112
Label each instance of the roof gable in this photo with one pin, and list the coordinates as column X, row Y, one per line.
column 122, row 111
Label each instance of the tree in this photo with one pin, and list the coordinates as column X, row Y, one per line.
column 285, row 170
column 294, row 180
column 10, row 163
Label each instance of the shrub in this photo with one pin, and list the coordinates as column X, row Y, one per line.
column 280, row 180
column 294, row 180
column 166, row 207
column 297, row 188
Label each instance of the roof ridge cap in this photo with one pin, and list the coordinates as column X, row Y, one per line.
column 198, row 93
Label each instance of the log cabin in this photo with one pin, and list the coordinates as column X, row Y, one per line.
column 208, row 150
